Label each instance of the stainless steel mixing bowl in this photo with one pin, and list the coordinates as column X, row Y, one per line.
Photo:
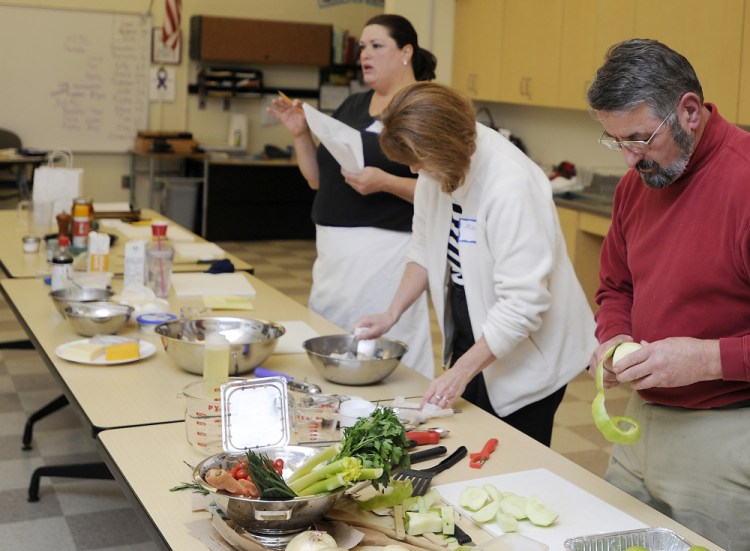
column 331, row 357
column 63, row 297
column 97, row 318
column 251, row 341
column 268, row 517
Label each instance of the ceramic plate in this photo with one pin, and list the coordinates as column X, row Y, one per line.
column 145, row 348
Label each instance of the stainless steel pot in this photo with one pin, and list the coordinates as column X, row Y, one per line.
column 266, row 517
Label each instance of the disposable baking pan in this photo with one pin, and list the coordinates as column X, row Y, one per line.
column 653, row 539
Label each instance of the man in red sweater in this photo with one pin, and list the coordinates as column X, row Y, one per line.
column 675, row 276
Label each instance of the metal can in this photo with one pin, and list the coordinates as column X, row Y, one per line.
column 81, row 225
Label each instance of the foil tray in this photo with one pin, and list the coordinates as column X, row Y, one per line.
column 654, row 539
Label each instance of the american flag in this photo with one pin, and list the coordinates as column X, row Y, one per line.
column 170, row 32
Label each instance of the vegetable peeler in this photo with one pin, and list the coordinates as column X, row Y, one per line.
column 478, row 459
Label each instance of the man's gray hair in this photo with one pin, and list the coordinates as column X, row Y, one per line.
column 639, row 71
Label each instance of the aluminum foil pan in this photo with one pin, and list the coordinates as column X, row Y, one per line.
column 654, row 539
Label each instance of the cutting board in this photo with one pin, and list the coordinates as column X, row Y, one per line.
column 296, row 333
column 200, row 284
column 581, row 514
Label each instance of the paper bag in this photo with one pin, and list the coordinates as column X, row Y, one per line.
column 57, row 186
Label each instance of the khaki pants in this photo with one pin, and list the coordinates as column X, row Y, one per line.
column 692, row 465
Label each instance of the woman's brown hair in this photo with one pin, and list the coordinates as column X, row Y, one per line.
column 432, row 125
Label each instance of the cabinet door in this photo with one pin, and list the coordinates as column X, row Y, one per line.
column 708, row 35
column 590, row 27
column 530, row 55
column 743, row 109
column 476, row 48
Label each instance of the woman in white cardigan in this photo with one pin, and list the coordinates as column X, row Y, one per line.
column 487, row 243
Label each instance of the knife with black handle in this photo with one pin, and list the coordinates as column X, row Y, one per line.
column 424, row 455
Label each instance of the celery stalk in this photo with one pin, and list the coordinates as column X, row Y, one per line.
column 315, row 460
column 323, row 472
column 326, row 485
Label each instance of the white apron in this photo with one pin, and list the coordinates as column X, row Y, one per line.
column 357, row 272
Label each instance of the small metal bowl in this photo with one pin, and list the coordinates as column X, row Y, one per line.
column 97, row 318
column 331, row 357
column 63, row 297
column 266, row 517
column 251, row 341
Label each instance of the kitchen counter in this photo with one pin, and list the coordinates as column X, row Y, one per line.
column 602, row 208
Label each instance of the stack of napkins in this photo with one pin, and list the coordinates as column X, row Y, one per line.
column 195, row 252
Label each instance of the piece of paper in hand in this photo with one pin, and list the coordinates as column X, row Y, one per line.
column 342, row 141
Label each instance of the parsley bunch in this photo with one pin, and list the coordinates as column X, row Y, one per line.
column 378, row 441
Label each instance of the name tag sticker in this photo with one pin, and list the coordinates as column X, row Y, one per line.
column 467, row 230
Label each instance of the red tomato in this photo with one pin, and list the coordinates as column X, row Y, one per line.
column 279, row 465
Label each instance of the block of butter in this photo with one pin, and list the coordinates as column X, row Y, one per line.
column 83, row 351
column 122, row 351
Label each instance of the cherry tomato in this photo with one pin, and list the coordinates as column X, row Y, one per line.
column 279, row 466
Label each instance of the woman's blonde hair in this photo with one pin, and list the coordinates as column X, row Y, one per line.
column 433, row 125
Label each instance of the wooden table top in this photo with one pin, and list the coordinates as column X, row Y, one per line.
column 149, row 460
column 16, row 263
column 147, row 391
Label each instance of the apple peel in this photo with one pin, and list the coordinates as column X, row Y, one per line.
column 613, row 428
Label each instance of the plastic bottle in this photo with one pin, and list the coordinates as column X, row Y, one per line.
column 216, row 357
column 159, row 259
column 62, row 265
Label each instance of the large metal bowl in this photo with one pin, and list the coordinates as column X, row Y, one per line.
column 97, row 318
column 266, row 517
column 63, row 297
column 331, row 357
column 251, row 341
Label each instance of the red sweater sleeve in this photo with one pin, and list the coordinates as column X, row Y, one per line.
column 735, row 358
column 615, row 293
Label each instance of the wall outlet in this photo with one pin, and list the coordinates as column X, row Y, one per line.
column 125, row 182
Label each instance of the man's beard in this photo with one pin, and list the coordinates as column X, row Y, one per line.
column 661, row 177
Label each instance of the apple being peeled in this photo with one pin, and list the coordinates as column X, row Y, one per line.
column 623, row 349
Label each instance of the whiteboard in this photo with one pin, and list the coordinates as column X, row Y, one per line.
column 74, row 80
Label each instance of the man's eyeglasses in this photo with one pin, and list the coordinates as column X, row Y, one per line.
column 635, row 146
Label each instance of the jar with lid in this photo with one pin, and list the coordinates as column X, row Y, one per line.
column 159, row 260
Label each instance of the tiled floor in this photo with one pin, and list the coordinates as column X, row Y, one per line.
column 94, row 515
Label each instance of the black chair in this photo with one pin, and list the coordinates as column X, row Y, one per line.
column 9, row 173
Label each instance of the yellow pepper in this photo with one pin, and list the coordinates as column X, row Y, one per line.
column 611, row 427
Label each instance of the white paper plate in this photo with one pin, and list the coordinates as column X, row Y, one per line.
column 145, row 350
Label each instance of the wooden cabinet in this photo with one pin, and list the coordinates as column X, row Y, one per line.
column 232, row 40
column 530, row 52
column 476, row 48
column 589, row 28
column 709, row 36
column 743, row 109
column 545, row 52
column 584, row 234
column 569, row 226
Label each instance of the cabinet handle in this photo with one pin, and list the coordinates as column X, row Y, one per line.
column 525, row 88
column 471, row 83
